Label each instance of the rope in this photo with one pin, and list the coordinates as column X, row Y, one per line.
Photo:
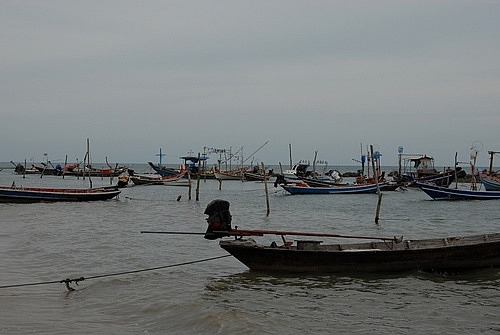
column 68, row 281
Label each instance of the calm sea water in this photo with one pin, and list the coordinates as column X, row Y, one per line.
column 50, row 242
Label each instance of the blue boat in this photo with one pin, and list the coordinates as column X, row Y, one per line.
column 303, row 188
column 163, row 170
column 491, row 183
column 442, row 193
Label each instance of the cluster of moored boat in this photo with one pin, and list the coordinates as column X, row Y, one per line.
column 68, row 170
column 382, row 254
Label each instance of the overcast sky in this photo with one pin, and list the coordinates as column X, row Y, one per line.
column 134, row 76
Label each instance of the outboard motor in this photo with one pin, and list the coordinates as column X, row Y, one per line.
column 219, row 219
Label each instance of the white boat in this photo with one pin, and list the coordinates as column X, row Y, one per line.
column 176, row 180
column 301, row 170
column 236, row 174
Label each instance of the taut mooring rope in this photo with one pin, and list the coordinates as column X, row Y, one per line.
column 68, row 281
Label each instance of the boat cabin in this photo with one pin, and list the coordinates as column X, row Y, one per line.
column 419, row 166
column 298, row 170
column 191, row 163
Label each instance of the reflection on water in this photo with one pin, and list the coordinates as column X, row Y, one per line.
column 392, row 303
column 254, row 280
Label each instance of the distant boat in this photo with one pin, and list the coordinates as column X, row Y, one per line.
column 445, row 193
column 300, row 171
column 39, row 194
column 95, row 172
column 257, row 175
column 236, row 174
column 197, row 165
column 21, row 169
column 303, row 188
column 443, row 179
column 490, row 178
column 174, row 180
column 420, row 168
column 254, row 176
column 490, row 182
column 54, row 171
column 163, row 170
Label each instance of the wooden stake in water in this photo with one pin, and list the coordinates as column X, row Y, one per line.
column 189, row 187
column 198, row 179
column 375, row 174
column 265, row 187
column 65, row 163
column 88, row 161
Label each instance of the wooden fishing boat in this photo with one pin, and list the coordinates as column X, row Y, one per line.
column 451, row 254
column 197, row 166
column 163, row 170
column 384, row 184
column 174, row 180
column 258, row 173
column 53, row 171
column 303, row 188
column 380, row 255
column 236, row 174
column 420, row 168
column 95, row 172
column 37, row 194
column 254, row 176
column 444, row 193
column 21, row 169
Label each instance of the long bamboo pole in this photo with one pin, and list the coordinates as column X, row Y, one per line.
column 242, row 232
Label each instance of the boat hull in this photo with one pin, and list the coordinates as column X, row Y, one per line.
column 250, row 176
column 174, row 180
column 490, row 184
column 345, row 189
column 442, row 193
column 443, row 179
column 442, row 255
column 163, row 170
column 28, row 195
column 228, row 176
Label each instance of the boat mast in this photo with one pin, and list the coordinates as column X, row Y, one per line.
column 362, row 157
column 89, row 160
column 314, row 160
column 492, row 153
